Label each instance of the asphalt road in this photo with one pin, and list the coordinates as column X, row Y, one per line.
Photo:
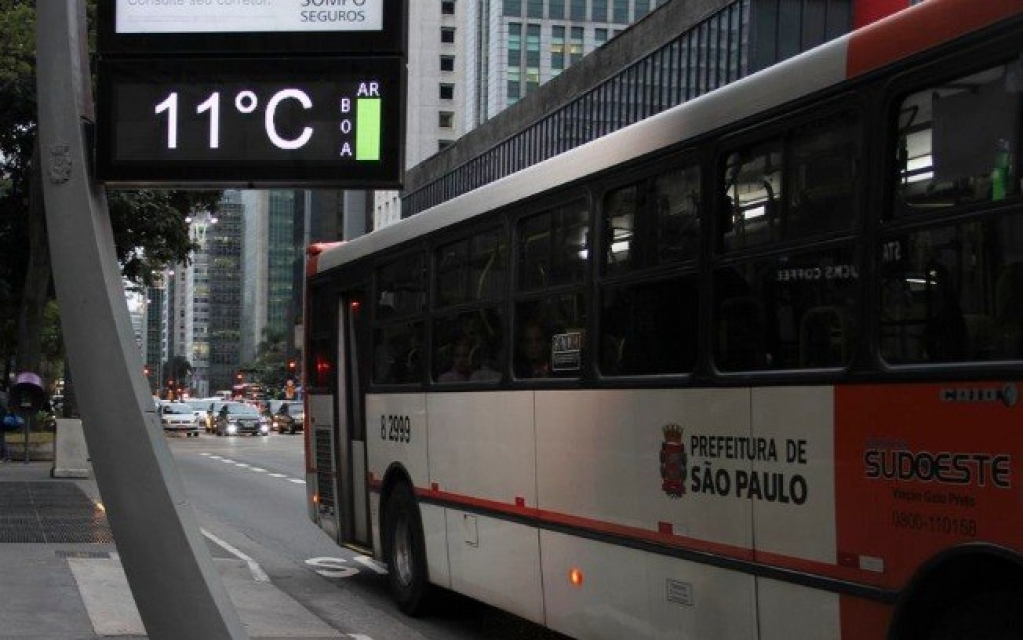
column 248, row 494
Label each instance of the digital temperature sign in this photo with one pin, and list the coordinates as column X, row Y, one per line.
column 251, row 122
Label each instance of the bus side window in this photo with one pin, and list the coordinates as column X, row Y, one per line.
column 959, row 141
column 1009, row 311
column 825, row 161
column 398, row 353
column 948, row 295
column 754, row 189
column 650, row 328
column 824, row 337
column 788, row 311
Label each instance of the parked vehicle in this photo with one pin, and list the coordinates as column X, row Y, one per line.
column 178, row 417
column 236, row 418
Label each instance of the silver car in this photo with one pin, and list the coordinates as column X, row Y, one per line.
column 178, row 417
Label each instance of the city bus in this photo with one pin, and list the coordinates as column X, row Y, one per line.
column 747, row 369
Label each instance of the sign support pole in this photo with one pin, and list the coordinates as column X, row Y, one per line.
column 168, row 565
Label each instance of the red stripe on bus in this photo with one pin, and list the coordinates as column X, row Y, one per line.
column 921, row 27
column 662, row 535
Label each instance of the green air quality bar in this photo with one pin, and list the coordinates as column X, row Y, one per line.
column 367, row 137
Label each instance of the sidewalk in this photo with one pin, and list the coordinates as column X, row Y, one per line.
column 61, row 578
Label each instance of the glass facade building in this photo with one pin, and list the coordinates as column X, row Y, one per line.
column 741, row 38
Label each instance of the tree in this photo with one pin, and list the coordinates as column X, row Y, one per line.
column 176, row 372
column 149, row 227
column 270, row 366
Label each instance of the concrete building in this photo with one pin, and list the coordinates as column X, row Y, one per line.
column 469, row 61
column 681, row 50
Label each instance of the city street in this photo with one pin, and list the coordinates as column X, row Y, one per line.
column 249, row 497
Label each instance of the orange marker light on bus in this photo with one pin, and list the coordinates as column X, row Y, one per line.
column 575, row 576
column 316, row 498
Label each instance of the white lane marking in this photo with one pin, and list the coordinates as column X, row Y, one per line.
column 257, row 571
column 332, row 567
column 252, row 468
column 338, row 567
column 372, row 564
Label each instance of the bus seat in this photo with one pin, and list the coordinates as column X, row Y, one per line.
column 741, row 334
column 1009, row 310
column 980, row 333
column 823, row 337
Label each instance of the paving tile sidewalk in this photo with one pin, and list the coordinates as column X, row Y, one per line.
column 43, row 523
column 61, row 577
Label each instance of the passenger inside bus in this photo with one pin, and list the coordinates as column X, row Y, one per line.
column 461, row 363
column 532, row 359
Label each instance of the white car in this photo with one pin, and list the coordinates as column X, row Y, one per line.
column 178, row 417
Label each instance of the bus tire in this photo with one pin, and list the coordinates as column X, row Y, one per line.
column 990, row 616
column 406, row 552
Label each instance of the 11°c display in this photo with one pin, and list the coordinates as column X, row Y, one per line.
column 332, row 122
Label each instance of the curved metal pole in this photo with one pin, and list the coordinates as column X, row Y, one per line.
column 169, row 568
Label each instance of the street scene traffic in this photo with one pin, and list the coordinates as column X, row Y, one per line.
column 534, row 319
column 248, row 495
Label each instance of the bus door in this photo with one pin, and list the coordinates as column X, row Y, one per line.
column 352, row 492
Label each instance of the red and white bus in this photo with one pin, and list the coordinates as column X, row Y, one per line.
column 748, row 369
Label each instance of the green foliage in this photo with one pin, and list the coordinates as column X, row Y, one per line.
column 178, row 369
column 149, row 227
column 270, row 366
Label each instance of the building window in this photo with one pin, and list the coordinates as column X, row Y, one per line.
column 578, row 8
column 599, row 36
column 447, row 7
column 557, row 49
column 444, row 144
column 534, row 8
column 447, row 35
column 447, row 91
column 621, row 12
column 577, row 45
column 642, row 8
column 513, row 8
column 447, row 63
column 514, row 61
column 514, row 84
column 599, row 9
column 556, row 9
column 532, row 57
column 446, row 120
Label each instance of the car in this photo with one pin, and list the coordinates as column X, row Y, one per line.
column 201, row 407
column 178, row 417
column 287, row 415
column 236, row 418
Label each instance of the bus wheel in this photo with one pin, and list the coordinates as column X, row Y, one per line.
column 406, row 552
column 993, row 616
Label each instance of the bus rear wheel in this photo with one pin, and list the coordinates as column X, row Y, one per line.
column 993, row 616
column 406, row 552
